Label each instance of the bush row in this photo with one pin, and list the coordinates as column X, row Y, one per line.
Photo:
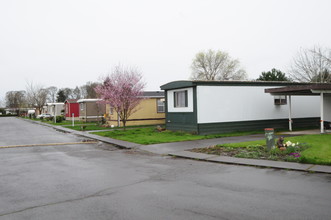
column 59, row 118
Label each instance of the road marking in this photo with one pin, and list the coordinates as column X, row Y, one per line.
column 49, row 144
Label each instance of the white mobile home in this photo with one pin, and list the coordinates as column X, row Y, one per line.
column 206, row 107
column 55, row 109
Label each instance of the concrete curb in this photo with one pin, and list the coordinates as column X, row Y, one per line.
column 252, row 162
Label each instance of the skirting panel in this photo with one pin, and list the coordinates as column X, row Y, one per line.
column 226, row 127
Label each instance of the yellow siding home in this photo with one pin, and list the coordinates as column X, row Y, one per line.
column 150, row 111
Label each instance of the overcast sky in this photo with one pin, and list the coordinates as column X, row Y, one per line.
column 65, row 43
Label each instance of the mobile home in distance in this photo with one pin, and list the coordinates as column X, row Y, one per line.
column 71, row 109
column 150, row 111
column 55, row 109
column 207, row 107
column 91, row 109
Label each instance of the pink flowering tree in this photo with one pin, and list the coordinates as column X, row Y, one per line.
column 123, row 90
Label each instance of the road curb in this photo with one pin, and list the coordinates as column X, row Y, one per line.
column 117, row 143
column 252, row 162
column 200, row 156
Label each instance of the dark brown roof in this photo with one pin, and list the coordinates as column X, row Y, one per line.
column 153, row 94
column 312, row 89
column 71, row 100
column 193, row 83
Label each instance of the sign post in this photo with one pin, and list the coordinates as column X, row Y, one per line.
column 73, row 119
column 55, row 113
column 270, row 138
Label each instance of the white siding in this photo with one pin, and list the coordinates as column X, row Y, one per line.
column 244, row 103
column 170, row 97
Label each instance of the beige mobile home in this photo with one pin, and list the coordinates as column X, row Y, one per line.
column 91, row 109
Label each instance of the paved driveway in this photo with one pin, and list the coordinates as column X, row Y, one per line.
column 97, row 181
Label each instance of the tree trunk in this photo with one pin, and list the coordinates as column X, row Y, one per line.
column 124, row 124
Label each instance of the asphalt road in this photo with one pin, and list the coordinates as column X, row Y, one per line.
column 98, row 181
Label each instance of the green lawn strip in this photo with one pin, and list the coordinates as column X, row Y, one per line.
column 87, row 127
column 69, row 123
column 61, row 123
column 319, row 151
column 152, row 136
column 95, row 127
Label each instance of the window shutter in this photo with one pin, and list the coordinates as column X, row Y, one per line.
column 175, row 98
column 186, row 101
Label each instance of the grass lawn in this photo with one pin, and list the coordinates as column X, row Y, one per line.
column 318, row 152
column 61, row 123
column 150, row 135
column 88, row 127
column 93, row 127
column 68, row 123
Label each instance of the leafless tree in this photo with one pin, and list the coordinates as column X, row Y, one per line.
column 88, row 90
column 2, row 103
column 52, row 91
column 76, row 93
column 16, row 100
column 216, row 65
column 311, row 65
column 36, row 95
column 325, row 53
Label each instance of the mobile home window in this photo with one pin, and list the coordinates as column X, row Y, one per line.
column 82, row 106
column 280, row 100
column 180, row 99
column 160, row 105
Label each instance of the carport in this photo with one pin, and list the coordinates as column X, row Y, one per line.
column 318, row 89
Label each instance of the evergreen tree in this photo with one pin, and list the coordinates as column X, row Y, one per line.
column 273, row 75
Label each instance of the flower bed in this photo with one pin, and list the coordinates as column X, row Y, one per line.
column 291, row 152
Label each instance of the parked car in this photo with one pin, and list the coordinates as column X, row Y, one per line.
column 44, row 116
column 31, row 112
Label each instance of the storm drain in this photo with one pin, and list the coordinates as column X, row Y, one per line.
column 51, row 144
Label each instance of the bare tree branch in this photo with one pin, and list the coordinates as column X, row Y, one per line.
column 51, row 97
column 216, row 65
column 36, row 95
column 311, row 65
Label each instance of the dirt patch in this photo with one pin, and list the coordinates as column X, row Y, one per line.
column 254, row 152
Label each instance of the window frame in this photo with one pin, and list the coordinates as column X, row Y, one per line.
column 280, row 100
column 178, row 103
column 158, row 106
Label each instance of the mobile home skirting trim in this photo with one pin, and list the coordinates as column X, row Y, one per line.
column 227, row 127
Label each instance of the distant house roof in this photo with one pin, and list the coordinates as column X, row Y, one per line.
column 55, row 103
column 153, row 94
column 88, row 100
column 71, row 101
column 192, row 83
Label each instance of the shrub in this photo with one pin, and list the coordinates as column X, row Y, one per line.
column 102, row 121
column 59, row 118
column 291, row 149
column 50, row 118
